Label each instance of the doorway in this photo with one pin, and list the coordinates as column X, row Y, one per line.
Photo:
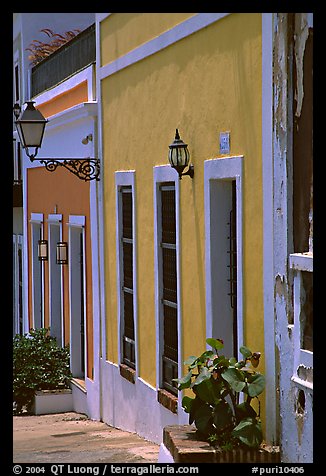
column 77, row 301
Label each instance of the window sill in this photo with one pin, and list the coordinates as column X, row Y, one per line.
column 301, row 261
column 128, row 373
column 168, row 400
column 79, row 383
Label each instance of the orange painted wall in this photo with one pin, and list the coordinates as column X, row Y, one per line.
column 73, row 96
column 70, row 195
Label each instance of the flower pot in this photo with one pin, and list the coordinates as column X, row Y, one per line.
column 181, row 444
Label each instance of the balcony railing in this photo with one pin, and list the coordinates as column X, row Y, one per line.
column 65, row 61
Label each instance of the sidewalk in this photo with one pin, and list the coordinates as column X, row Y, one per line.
column 72, row 438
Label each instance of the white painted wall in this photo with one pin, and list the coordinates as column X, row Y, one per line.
column 296, row 427
column 134, row 407
column 27, row 26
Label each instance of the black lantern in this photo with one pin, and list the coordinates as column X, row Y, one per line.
column 62, row 252
column 30, row 126
column 179, row 156
column 42, row 250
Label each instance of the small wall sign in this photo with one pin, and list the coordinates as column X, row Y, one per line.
column 224, row 142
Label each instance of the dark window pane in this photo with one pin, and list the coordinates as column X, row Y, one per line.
column 127, row 265
column 127, row 214
column 128, row 315
column 169, row 275
column 306, row 316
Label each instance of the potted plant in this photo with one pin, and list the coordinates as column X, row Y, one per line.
column 220, row 415
column 39, row 364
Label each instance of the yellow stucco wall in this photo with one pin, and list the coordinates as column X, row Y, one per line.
column 122, row 32
column 204, row 84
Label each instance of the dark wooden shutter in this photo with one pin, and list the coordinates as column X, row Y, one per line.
column 128, row 337
column 233, row 266
column 169, row 300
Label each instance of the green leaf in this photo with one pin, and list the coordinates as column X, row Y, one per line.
column 204, row 356
column 223, row 415
column 187, row 403
column 183, row 382
column 191, row 361
column 245, row 352
column 203, row 375
column 235, row 378
column 244, row 410
column 204, row 419
column 208, row 391
column 249, row 432
column 215, row 343
column 232, row 361
column 194, row 406
column 256, row 384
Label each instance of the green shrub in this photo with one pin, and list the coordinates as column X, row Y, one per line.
column 217, row 383
column 38, row 364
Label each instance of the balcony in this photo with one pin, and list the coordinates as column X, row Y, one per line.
column 65, row 61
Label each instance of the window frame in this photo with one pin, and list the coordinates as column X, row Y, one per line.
column 37, row 219
column 77, row 223
column 126, row 179
column 163, row 174
column 298, row 263
column 55, row 220
column 221, row 169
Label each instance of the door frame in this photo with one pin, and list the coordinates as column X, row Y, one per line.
column 76, row 223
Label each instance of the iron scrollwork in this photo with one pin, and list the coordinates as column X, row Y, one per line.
column 86, row 169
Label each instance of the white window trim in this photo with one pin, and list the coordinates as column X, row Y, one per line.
column 56, row 219
column 77, row 221
column 299, row 262
column 220, row 169
column 17, row 63
column 165, row 39
column 165, row 173
column 17, row 243
column 126, row 178
column 268, row 227
column 37, row 219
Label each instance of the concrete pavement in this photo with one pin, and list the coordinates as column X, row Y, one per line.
column 73, row 438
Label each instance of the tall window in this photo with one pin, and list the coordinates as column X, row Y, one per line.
column 224, row 261
column 126, row 276
column 169, row 286
column 55, row 279
column 17, row 163
column 18, row 284
column 78, row 296
column 232, row 237
column 37, row 283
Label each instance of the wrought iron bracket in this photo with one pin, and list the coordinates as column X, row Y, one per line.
column 84, row 168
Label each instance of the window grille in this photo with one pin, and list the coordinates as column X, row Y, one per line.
column 82, row 308
column 17, row 163
column 233, row 266
column 169, row 294
column 128, row 337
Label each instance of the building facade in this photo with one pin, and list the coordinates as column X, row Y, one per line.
column 168, row 242
column 157, row 264
column 60, row 209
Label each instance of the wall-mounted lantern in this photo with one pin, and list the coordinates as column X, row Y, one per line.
column 42, row 250
column 179, row 156
column 62, row 252
column 30, row 126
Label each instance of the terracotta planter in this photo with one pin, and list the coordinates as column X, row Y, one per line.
column 182, row 445
column 52, row 401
